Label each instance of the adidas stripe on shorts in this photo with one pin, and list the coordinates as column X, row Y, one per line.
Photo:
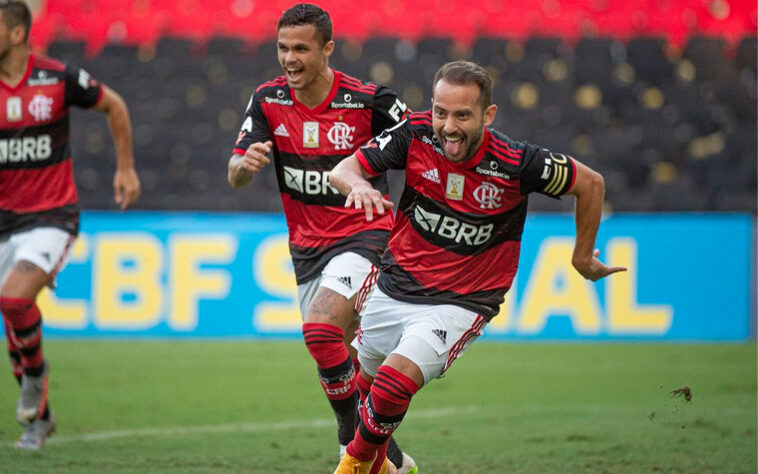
column 430, row 335
column 46, row 247
column 348, row 274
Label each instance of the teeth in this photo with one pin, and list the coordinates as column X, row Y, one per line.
column 453, row 139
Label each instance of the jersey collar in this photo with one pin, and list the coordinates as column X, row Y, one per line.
column 474, row 160
column 29, row 67
column 323, row 105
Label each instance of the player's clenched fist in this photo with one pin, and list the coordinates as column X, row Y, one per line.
column 255, row 157
column 242, row 168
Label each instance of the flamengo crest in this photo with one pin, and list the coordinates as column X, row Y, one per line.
column 341, row 135
column 489, row 196
column 41, row 107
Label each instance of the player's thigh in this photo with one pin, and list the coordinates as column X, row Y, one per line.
column 382, row 322
column 436, row 337
column 345, row 279
column 32, row 259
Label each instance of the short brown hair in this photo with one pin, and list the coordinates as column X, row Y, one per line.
column 16, row 13
column 466, row 72
column 308, row 14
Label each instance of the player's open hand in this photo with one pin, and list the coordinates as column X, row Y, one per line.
column 126, row 187
column 364, row 196
column 255, row 157
column 593, row 269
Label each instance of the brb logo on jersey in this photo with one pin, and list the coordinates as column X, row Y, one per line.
column 341, row 135
column 41, row 108
column 450, row 228
column 308, row 181
column 489, row 196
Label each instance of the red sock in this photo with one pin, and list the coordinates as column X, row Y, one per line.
column 336, row 373
column 15, row 356
column 335, row 367
column 26, row 323
column 382, row 413
column 364, row 387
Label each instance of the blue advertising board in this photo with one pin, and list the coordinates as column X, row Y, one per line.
column 193, row 275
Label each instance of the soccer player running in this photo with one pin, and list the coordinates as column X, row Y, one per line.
column 39, row 210
column 454, row 248
column 311, row 118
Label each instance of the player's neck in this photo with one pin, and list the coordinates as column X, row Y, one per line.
column 317, row 92
column 13, row 65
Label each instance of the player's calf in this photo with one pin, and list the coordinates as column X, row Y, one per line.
column 336, row 373
column 382, row 412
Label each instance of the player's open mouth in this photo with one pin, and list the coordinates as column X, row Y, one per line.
column 453, row 144
column 293, row 73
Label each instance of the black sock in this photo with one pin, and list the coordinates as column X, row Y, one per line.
column 394, row 454
column 346, row 412
column 46, row 414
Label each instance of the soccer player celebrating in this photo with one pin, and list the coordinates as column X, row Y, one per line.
column 311, row 118
column 39, row 210
column 454, row 248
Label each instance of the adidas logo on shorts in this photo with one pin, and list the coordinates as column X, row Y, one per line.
column 345, row 281
column 442, row 334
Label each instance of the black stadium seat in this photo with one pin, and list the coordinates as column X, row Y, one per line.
column 663, row 137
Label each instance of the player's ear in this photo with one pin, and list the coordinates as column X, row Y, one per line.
column 18, row 34
column 328, row 48
column 489, row 114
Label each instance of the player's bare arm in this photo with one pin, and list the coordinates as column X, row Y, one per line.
column 242, row 168
column 126, row 184
column 589, row 189
column 349, row 178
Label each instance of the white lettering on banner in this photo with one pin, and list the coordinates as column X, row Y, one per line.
column 17, row 150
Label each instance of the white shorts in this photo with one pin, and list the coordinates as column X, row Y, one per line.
column 431, row 336
column 347, row 274
column 45, row 247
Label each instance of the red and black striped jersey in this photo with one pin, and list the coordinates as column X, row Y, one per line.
column 36, row 177
column 457, row 234
column 308, row 143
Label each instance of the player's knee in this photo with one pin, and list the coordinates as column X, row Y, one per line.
column 325, row 344
column 14, row 308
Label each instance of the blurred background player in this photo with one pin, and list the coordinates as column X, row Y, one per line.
column 39, row 210
column 311, row 118
column 454, row 248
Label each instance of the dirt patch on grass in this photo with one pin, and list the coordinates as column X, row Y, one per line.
column 684, row 392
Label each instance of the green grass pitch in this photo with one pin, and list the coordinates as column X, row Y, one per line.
column 257, row 407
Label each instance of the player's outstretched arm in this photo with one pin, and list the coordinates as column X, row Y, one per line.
column 589, row 189
column 242, row 168
column 126, row 184
column 349, row 178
